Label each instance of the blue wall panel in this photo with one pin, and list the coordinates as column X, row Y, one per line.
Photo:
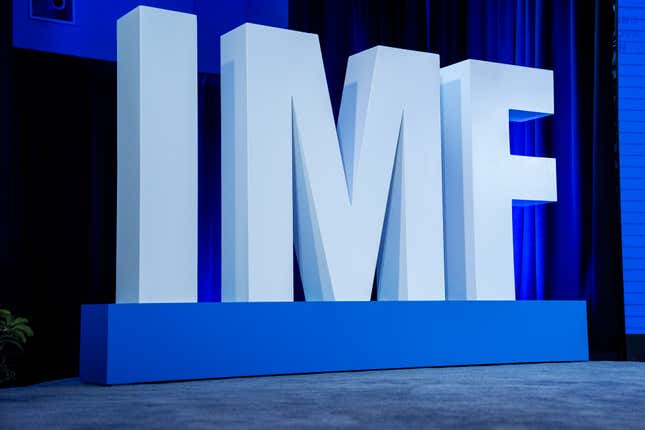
column 631, row 124
column 93, row 35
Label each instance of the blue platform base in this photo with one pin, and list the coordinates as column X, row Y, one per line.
column 129, row 343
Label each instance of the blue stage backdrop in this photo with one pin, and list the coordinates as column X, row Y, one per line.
column 58, row 143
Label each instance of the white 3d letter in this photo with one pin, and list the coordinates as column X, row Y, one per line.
column 157, row 157
column 284, row 172
column 481, row 177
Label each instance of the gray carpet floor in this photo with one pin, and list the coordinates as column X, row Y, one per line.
column 592, row 395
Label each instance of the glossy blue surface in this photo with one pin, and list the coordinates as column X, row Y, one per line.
column 130, row 343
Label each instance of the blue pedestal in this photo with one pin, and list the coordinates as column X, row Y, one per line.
column 129, row 343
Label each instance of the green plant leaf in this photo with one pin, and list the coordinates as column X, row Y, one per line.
column 14, row 331
column 20, row 336
column 25, row 329
column 20, row 320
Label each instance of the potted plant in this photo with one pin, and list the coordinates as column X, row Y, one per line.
column 14, row 332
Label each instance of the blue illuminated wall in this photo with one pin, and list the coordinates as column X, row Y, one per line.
column 93, row 35
column 631, row 124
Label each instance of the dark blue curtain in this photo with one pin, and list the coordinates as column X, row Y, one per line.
column 566, row 250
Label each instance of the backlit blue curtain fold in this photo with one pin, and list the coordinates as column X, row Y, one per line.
column 209, row 211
